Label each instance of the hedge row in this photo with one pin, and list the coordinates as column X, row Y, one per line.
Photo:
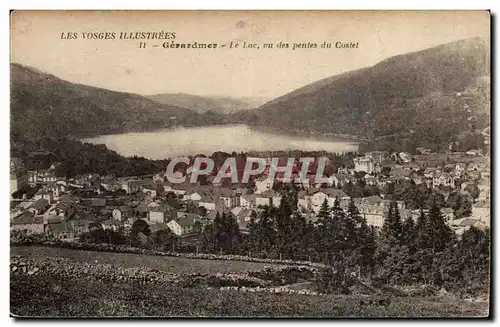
column 35, row 240
column 66, row 268
column 275, row 290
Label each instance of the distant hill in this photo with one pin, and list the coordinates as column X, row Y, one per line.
column 202, row 104
column 435, row 92
column 44, row 105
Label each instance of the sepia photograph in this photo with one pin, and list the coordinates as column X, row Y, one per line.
column 250, row 164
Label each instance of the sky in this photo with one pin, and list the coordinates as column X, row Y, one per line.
column 121, row 65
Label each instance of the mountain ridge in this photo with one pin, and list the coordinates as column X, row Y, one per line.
column 366, row 100
column 42, row 104
column 204, row 103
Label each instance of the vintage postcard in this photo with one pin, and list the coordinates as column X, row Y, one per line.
column 250, row 164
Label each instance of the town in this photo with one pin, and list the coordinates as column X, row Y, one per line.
column 68, row 207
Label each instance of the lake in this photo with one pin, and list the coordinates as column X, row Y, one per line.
column 169, row 143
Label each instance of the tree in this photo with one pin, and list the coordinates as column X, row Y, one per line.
column 139, row 227
column 462, row 207
column 392, row 229
column 440, row 233
column 473, row 190
column 362, row 238
column 409, row 233
column 324, row 212
column 163, row 238
column 208, row 239
column 226, row 232
column 422, row 232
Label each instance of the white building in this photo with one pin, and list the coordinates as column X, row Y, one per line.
column 365, row 164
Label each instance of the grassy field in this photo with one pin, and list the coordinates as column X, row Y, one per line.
column 49, row 296
column 127, row 260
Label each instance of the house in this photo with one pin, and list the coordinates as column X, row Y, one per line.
column 382, row 182
column 44, row 194
column 228, row 199
column 208, row 202
column 310, row 217
column 160, row 214
column 96, row 202
column 62, row 230
column 236, row 210
column 328, row 194
column 374, row 215
column 121, row 213
column 370, row 180
column 401, row 174
column 484, row 192
column 63, row 209
column 376, row 156
column 131, row 185
column 384, row 203
column 443, row 179
column 57, row 188
column 28, row 223
column 211, row 216
column 247, row 200
column 417, row 180
column 448, row 215
column 18, row 180
column 476, row 152
column 243, row 226
column 268, row 198
column 241, row 191
column 160, row 177
column 261, row 200
column 463, row 224
column 246, row 214
column 176, row 191
column 373, row 200
column 365, row 164
column 151, row 192
column 481, row 212
column 191, row 196
column 243, row 219
column 110, row 224
column 459, row 170
column 405, row 157
column 473, row 167
column 183, row 226
column 80, row 226
column 39, row 206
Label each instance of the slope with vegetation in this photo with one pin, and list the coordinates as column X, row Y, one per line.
column 44, row 105
column 427, row 97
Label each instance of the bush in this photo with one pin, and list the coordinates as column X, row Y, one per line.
column 334, row 281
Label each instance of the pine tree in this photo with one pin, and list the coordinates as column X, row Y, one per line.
column 226, row 232
column 353, row 213
column 366, row 247
column 440, row 233
column 343, row 229
column 323, row 213
column 422, row 232
column 409, row 233
column 357, row 225
column 392, row 229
